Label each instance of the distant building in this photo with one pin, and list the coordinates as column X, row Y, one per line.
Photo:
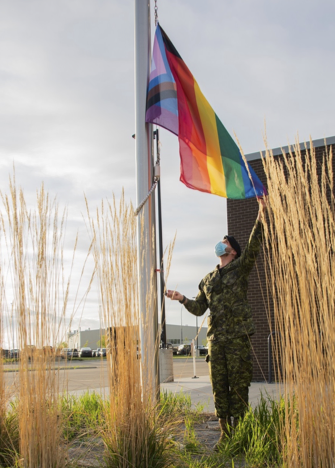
column 176, row 334
column 80, row 338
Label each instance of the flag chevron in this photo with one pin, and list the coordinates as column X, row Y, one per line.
column 210, row 159
column 160, row 92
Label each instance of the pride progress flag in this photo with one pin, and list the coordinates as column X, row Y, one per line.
column 210, row 159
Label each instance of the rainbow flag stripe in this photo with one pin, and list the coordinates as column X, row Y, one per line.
column 210, row 159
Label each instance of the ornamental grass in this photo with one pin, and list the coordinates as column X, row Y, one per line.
column 300, row 264
column 135, row 434
column 33, row 282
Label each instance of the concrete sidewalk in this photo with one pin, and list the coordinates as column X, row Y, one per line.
column 200, row 391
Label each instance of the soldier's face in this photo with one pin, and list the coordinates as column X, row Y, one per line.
column 229, row 248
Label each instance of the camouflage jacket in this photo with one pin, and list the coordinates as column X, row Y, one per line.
column 225, row 294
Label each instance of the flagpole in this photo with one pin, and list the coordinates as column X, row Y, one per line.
column 146, row 226
column 160, row 249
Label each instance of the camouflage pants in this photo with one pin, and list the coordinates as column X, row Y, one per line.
column 230, row 370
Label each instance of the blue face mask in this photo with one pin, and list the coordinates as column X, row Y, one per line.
column 220, row 249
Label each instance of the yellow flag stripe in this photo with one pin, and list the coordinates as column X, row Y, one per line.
column 214, row 160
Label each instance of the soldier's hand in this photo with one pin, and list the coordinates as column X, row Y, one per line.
column 173, row 295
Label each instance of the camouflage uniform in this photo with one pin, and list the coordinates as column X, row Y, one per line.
column 230, row 324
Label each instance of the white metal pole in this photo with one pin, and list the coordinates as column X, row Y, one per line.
column 146, row 237
column 193, row 356
column 181, row 325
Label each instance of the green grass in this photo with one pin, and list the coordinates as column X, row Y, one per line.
column 254, row 443
column 9, row 437
column 170, row 434
column 213, row 460
column 179, row 405
column 83, row 415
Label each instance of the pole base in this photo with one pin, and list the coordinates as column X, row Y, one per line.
column 165, row 365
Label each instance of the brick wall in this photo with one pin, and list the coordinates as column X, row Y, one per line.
column 241, row 218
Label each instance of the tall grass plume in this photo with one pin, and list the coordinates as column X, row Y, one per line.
column 300, row 243
column 32, row 252
column 133, row 435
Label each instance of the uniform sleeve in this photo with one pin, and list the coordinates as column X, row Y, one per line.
column 250, row 253
column 199, row 305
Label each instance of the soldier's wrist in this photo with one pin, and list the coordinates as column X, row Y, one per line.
column 183, row 300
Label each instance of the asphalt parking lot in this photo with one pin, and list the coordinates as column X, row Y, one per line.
column 92, row 374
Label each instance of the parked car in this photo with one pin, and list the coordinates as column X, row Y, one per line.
column 75, row 352
column 64, row 353
column 203, row 350
column 102, row 352
column 69, row 353
column 14, row 353
column 174, row 347
column 184, row 349
column 170, row 346
column 85, row 352
column 30, row 351
column 47, row 350
column 95, row 352
column 5, row 353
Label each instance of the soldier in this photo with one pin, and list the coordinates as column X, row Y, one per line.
column 230, row 323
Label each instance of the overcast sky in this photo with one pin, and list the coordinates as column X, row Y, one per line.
column 67, row 104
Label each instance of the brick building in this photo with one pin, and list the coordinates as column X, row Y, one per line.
column 241, row 218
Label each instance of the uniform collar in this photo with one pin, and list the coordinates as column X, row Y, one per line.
column 230, row 266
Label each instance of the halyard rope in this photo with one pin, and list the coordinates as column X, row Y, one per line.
column 156, row 179
column 140, row 206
